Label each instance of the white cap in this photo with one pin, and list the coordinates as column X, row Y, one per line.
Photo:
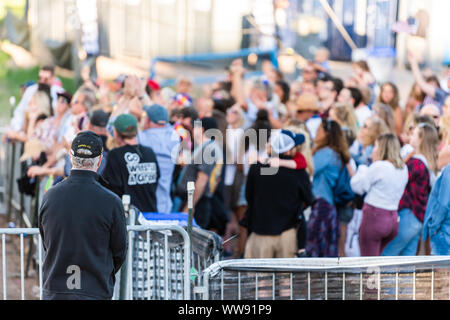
column 284, row 140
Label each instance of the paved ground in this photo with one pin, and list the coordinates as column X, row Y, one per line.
column 13, row 270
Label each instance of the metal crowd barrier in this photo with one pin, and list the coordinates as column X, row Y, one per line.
column 19, row 208
column 207, row 249
column 156, row 272
column 163, row 262
column 9, row 235
column 3, row 170
column 158, row 264
column 372, row 278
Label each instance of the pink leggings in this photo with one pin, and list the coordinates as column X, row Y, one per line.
column 378, row 228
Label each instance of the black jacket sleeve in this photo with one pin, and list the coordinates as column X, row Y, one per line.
column 118, row 237
column 41, row 212
column 306, row 190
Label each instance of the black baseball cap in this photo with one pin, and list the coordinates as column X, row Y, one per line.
column 87, row 144
column 98, row 118
column 66, row 95
column 208, row 123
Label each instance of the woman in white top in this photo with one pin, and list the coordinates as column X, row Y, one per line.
column 384, row 183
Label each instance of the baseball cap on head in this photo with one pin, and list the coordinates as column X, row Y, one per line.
column 66, row 95
column 87, row 144
column 126, row 124
column 206, row 123
column 157, row 113
column 98, row 118
column 284, row 140
column 307, row 102
column 152, row 84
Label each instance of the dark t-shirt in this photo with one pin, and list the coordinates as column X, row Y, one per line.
column 207, row 158
column 134, row 170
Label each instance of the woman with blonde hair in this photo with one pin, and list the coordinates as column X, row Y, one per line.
column 39, row 109
column 385, row 113
column 344, row 114
column 383, row 182
column 372, row 128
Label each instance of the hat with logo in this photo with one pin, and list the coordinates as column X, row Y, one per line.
column 284, row 140
column 87, row 144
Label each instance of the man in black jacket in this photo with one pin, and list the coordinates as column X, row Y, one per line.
column 83, row 228
column 276, row 199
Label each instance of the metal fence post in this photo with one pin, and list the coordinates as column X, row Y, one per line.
column 123, row 270
column 190, row 190
column 11, row 182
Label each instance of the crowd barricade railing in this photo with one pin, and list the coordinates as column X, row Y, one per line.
column 174, row 260
column 207, row 249
column 20, row 209
column 3, row 170
column 157, row 266
column 371, row 278
column 159, row 273
column 14, row 235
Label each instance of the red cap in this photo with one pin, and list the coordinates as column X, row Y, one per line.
column 153, row 85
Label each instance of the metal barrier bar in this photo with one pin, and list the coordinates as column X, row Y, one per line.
column 380, row 285
column 4, row 264
column 21, row 232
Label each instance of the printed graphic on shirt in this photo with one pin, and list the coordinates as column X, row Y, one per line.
column 140, row 173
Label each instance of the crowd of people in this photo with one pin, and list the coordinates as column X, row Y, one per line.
column 316, row 167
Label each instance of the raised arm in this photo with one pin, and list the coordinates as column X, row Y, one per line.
column 418, row 77
column 237, row 85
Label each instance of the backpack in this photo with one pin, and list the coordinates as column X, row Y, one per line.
column 342, row 191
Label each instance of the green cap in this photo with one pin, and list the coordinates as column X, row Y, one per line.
column 126, row 123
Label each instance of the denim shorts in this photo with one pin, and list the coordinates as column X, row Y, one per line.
column 345, row 215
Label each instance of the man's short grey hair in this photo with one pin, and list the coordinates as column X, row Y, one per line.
column 85, row 163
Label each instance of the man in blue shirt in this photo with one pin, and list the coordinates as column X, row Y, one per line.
column 436, row 224
column 159, row 135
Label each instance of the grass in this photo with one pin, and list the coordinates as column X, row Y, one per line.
column 12, row 78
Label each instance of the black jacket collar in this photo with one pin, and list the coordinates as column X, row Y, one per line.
column 84, row 174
